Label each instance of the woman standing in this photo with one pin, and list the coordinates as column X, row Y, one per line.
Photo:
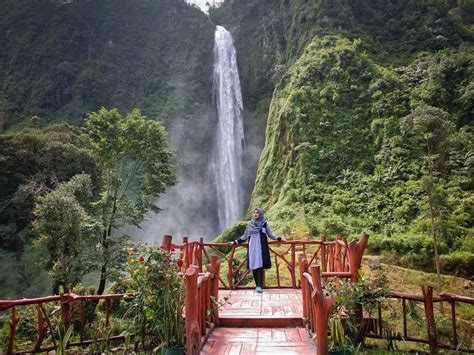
column 258, row 252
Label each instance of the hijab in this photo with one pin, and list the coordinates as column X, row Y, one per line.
column 255, row 225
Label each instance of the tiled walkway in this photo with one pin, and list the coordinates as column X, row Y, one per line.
column 247, row 341
column 260, row 323
column 270, row 303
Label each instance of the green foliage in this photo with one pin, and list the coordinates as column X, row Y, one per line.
column 232, row 233
column 156, row 310
column 351, row 298
column 459, row 263
column 33, row 162
column 135, row 161
column 29, row 278
column 63, row 339
column 337, row 158
column 353, row 145
column 153, row 54
column 67, row 232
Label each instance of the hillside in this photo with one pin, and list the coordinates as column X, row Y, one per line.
column 369, row 119
column 61, row 60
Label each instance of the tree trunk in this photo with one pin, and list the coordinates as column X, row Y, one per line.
column 103, row 271
column 433, row 230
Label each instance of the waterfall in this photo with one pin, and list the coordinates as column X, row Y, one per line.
column 227, row 157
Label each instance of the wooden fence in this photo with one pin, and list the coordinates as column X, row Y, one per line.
column 202, row 293
column 337, row 256
column 317, row 307
column 65, row 302
column 201, row 311
column 427, row 300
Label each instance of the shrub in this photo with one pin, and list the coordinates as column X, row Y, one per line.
column 460, row 263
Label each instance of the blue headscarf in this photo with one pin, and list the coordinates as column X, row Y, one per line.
column 255, row 225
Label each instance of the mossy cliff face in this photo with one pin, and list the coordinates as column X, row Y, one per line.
column 61, row 60
column 319, row 121
column 339, row 155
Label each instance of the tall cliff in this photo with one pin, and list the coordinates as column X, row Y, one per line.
column 343, row 81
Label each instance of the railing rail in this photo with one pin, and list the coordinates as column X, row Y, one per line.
column 65, row 300
column 202, row 292
column 201, row 300
column 428, row 301
column 334, row 257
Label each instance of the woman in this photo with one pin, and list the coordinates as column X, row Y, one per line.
column 258, row 253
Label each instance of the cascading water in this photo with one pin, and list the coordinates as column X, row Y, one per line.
column 227, row 158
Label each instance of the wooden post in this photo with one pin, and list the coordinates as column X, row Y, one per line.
column 404, row 310
column 184, row 253
column 203, row 292
column 323, row 253
column 166, row 242
column 430, row 319
column 277, row 269
column 199, row 253
column 65, row 310
column 214, row 268
column 13, row 325
column 323, row 306
column 42, row 326
column 453, row 323
column 230, row 272
column 330, row 249
column 293, row 265
column 355, row 251
column 107, row 306
column 83, row 321
column 193, row 333
column 339, row 266
column 303, row 265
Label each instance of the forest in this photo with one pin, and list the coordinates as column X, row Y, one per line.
column 359, row 113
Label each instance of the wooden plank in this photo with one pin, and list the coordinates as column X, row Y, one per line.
column 261, row 322
column 292, row 335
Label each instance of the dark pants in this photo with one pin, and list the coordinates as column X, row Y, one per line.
column 258, row 276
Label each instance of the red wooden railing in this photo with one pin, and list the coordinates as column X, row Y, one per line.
column 201, row 311
column 65, row 301
column 316, row 305
column 202, row 292
column 337, row 256
column 427, row 300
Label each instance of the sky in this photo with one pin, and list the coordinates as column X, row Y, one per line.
column 202, row 3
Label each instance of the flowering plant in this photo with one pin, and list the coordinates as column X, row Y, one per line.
column 158, row 298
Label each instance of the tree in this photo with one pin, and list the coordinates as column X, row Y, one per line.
column 429, row 127
column 67, row 232
column 33, row 162
column 135, row 161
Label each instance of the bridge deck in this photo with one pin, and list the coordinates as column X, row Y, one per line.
column 271, row 304
column 259, row 323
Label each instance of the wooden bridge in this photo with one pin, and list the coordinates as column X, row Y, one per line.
column 275, row 320
column 224, row 315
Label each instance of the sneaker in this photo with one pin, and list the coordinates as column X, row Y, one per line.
column 258, row 289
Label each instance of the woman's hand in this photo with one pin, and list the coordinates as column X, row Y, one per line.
column 231, row 243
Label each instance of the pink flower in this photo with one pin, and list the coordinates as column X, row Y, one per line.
column 172, row 247
column 179, row 262
column 141, row 259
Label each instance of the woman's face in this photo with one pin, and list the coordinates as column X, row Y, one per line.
column 255, row 215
